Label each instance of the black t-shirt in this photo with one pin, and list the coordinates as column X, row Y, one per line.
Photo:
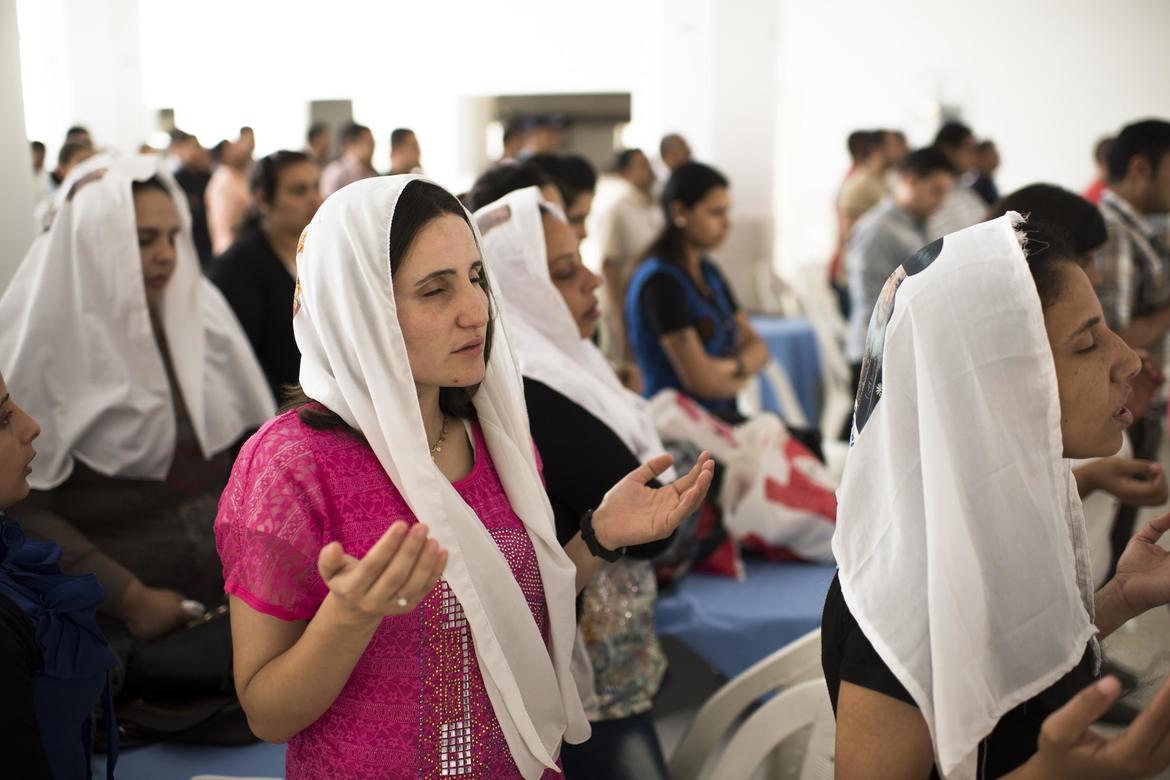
column 582, row 458
column 260, row 290
column 21, row 751
column 664, row 301
column 847, row 655
column 194, row 185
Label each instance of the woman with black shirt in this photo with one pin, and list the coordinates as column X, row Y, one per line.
column 257, row 274
column 686, row 328
column 962, row 621
column 580, row 413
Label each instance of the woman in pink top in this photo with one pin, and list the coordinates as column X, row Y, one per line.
column 377, row 646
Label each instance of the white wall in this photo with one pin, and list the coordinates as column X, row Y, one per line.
column 17, row 195
column 1045, row 79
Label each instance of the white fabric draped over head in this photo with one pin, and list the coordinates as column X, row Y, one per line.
column 354, row 361
column 79, row 352
column 542, row 330
column 960, row 537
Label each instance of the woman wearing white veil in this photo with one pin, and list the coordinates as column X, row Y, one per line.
column 963, row 619
column 344, row 645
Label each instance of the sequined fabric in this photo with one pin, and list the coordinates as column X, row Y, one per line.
column 415, row 704
column 617, row 623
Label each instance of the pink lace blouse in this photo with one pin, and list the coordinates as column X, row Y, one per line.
column 415, row 704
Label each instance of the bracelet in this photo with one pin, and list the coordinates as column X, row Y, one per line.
column 595, row 547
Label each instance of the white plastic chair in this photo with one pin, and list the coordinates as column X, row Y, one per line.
column 821, row 309
column 803, row 706
column 751, row 398
column 795, row 663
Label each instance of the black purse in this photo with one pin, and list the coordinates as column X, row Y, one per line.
column 179, row 688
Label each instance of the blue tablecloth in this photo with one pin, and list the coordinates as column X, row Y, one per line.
column 732, row 624
column 793, row 343
column 181, row 762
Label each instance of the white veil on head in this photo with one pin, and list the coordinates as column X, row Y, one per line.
column 960, row 537
column 542, row 330
column 354, row 362
column 79, row 351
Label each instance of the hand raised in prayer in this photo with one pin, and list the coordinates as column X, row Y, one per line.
column 391, row 579
column 1143, row 572
column 1134, row 482
column 1069, row 749
column 633, row 513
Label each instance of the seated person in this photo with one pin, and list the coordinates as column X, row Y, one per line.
column 144, row 381
column 579, row 413
column 963, row 620
column 685, row 326
column 257, row 275
column 55, row 662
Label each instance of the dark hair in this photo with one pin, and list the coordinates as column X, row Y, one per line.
column 863, row 143
column 418, row 204
column 952, row 135
column 1149, row 138
column 923, row 162
column 625, row 158
column 1101, row 150
column 513, row 128
column 572, row 174
column 146, row 185
column 1047, row 249
column 1056, row 209
column 37, row 146
column 352, row 132
column 498, row 181
column 688, row 184
column 667, row 140
column 265, row 180
column 69, row 151
column 247, row 129
column 399, row 135
column 218, row 150
column 315, row 130
column 984, row 146
column 76, row 130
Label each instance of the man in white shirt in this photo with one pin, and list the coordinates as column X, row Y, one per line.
column 623, row 228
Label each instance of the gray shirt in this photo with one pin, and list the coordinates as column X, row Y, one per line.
column 880, row 242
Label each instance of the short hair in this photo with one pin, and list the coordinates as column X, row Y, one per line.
column 952, row 134
column 985, row 145
column 399, row 135
column 77, row 130
column 667, row 140
column 37, row 146
column 862, row 143
column 315, row 130
column 1101, row 150
column 352, row 132
column 572, row 174
column 247, row 129
column 923, row 162
column 1067, row 213
column 624, row 158
column 498, row 181
column 69, row 151
column 1149, row 138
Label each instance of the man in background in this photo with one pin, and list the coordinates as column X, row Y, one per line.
column 405, row 154
column 355, row 162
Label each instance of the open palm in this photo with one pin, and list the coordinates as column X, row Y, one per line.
column 1143, row 572
column 634, row 513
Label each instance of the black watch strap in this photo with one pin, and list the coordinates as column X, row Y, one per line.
column 595, row 547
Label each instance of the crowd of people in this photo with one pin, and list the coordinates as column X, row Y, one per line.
column 406, row 436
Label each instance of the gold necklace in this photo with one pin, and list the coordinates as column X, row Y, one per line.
column 438, row 446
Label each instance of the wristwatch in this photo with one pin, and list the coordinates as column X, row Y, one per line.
column 595, row 547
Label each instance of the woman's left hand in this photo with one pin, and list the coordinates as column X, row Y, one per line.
column 1143, row 573
column 633, row 513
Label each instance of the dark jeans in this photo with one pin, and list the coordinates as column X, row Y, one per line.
column 622, row 749
column 1146, row 436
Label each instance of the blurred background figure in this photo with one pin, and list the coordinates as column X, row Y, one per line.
column 986, row 164
column 228, row 197
column 318, row 143
column 193, row 174
column 1094, row 191
column 405, row 154
column 355, row 162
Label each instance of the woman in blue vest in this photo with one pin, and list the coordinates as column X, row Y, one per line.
column 686, row 328
column 54, row 661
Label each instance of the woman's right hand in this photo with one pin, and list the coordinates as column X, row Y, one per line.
column 391, row 579
column 1070, row 750
column 151, row 612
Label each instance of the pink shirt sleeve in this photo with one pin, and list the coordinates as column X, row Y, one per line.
column 270, row 526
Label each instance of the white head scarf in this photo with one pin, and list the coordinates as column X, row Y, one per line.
column 542, row 329
column 79, row 352
column 354, row 361
column 960, row 537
